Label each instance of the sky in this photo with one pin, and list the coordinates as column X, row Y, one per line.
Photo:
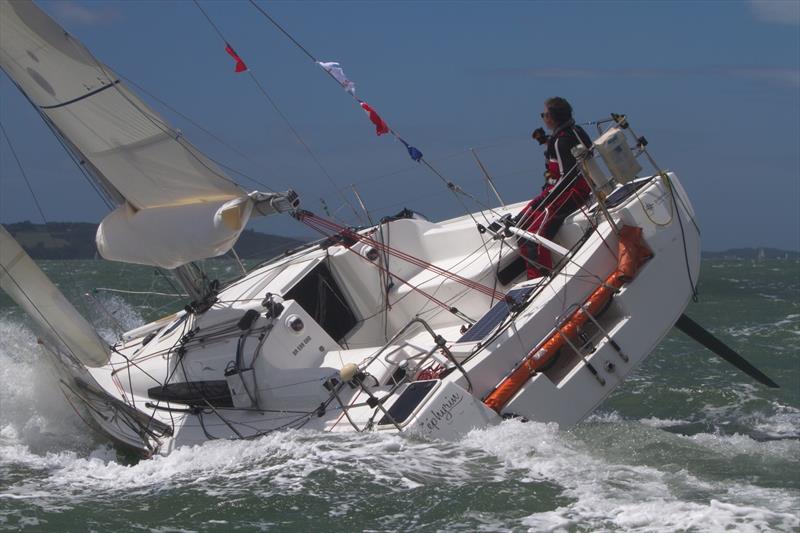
column 713, row 86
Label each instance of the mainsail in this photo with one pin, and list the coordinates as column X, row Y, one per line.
column 174, row 204
column 27, row 285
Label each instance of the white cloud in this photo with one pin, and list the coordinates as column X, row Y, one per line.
column 70, row 12
column 777, row 11
column 780, row 76
column 788, row 77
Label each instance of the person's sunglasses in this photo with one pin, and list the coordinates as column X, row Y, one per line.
column 544, row 114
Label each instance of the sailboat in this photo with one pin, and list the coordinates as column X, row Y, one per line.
column 406, row 326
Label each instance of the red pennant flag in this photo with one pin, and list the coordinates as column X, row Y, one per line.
column 240, row 66
column 380, row 126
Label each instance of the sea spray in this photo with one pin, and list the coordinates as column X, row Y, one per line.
column 33, row 412
column 686, row 443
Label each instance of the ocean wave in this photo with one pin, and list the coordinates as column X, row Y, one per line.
column 607, row 494
column 34, row 412
column 725, row 465
column 596, row 477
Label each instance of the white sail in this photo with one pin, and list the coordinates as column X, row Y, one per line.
column 135, row 156
column 27, row 285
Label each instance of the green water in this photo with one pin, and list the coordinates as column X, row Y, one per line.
column 688, row 443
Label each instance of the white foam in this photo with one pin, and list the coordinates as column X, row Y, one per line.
column 33, row 412
column 607, row 494
column 605, row 488
column 654, row 422
column 784, row 422
column 112, row 316
column 600, row 468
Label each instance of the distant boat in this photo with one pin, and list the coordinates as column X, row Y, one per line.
column 408, row 326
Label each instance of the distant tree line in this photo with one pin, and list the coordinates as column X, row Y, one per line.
column 75, row 240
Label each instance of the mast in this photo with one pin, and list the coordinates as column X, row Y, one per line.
column 195, row 282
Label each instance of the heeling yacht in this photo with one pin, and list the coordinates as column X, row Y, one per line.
column 409, row 325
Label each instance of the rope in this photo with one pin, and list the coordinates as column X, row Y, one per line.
column 320, row 224
column 286, row 33
column 419, row 158
column 283, row 116
column 194, row 123
column 154, row 120
column 104, row 195
column 106, row 289
column 22, row 171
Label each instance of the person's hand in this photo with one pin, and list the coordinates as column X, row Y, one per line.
column 539, row 136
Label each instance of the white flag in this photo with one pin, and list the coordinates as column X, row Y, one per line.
column 336, row 71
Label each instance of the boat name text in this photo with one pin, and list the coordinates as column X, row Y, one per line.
column 444, row 412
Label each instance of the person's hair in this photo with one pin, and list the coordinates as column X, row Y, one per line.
column 559, row 109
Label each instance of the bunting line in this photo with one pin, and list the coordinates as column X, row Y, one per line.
column 242, row 67
column 335, row 71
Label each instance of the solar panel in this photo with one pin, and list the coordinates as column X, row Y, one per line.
column 408, row 401
column 496, row 314
column 623, row 193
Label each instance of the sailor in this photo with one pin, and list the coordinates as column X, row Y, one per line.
column 564, row 190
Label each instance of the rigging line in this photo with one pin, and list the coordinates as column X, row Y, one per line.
column 405, row 282
column 489, row 179
column 403, row 255
column 458, row 295
column 281, row 114
column 217, row 138
column 185, row 117
column 24, row 174
column 104, row 197
column 305, row 145
column 437, row 270
column 286, row 33
column 685, row 251
column 42, row 315
column 330, row 74
column 409, row 168
column 107, row 289
column 312, row 220
column 456, row 189
column 445, row 157
column 165, row 128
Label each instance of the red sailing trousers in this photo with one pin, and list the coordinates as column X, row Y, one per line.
column 545, row 220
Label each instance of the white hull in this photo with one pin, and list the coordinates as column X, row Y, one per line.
column 402, row 327
column 295, row 378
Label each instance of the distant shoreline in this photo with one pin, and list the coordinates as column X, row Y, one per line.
column 75, row 240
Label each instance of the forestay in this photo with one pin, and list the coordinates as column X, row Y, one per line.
column 170, row 195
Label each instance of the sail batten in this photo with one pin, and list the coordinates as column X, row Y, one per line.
column 79, row 98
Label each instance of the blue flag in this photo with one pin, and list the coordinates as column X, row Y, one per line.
column 415, row 154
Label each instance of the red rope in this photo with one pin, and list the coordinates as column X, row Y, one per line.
column 321, row 224
column 401, row 280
